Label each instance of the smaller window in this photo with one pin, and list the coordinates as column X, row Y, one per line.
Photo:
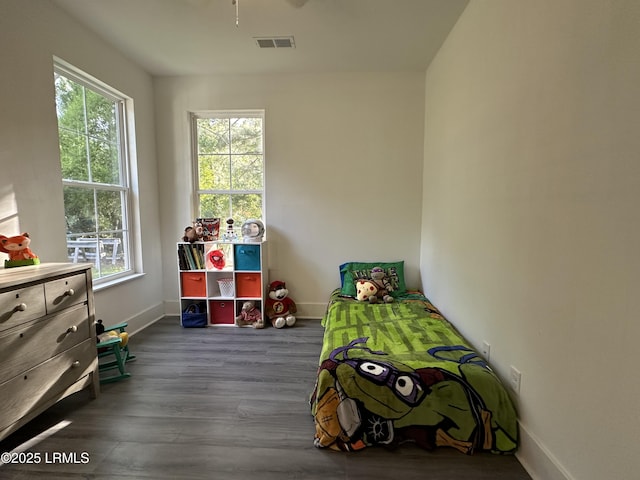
column 94, row 160
column 229, row 161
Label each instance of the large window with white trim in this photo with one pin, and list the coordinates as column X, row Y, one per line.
column 92, row 129
column 228, row 151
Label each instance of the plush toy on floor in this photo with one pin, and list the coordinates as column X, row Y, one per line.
column 280, row 308
column 250, row 316
column 18, row 249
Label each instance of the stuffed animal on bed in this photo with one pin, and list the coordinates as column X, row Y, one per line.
column 279, row 307
column 250, row 316
column 375, row 288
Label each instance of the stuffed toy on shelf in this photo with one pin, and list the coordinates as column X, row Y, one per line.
column 249, row 316
column 230, row 234
column 192, row 234
column 18, row 249
column 280, row 308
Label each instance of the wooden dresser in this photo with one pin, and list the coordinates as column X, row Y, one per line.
column 47, row 339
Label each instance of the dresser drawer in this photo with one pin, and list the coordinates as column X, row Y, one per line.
column 64, row 292
column 46, row 382
column 21, row 305
column 23, row 348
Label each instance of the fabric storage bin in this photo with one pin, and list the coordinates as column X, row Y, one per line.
column 221, row 312
column 193, row 284
column 226, row 287
column 247, row 257
column 193, row 316
column 248, row 285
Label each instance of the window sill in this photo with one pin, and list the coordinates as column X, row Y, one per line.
column 116, row 281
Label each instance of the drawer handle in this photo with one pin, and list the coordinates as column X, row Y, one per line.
column 20, row 308
column 75, row 364
column 69, row 293
column 72, row 329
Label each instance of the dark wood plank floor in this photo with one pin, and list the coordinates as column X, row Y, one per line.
column 218, row 403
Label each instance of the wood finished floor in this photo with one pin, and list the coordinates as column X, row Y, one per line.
column 220, row 403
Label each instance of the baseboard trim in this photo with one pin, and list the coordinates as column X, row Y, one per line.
column 311, row 310
column 143, row 319
column 537, row 460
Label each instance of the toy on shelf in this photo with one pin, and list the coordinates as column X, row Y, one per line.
column 216, row 258
column 280, row 308
column 249, row 316
column 192, row 234
column 210, row 228
column 230, row 234
column 203, row 230
column 17, row 248
column 252, row 231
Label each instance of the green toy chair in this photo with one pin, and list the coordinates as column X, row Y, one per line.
column 112, row 347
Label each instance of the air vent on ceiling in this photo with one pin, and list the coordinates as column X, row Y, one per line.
column 275, row 42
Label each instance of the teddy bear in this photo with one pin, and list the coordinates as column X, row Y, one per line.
column 249, row 316
column 18, row 248
column 192, row 234
column 375, row 288
column 279, row 307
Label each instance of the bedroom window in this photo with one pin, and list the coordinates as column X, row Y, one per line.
column 228, row 151
column 92, row 126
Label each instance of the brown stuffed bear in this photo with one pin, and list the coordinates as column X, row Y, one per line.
column 250, row 316
column 192, row 234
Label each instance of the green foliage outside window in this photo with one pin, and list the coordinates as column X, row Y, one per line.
column 93, row 184
column 230, row 167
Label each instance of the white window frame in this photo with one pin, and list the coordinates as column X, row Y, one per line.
column 124, row 105
column 193, row 118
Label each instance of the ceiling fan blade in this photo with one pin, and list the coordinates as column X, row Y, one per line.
column 297, row 3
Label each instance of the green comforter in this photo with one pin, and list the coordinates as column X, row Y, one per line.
column 397, row 372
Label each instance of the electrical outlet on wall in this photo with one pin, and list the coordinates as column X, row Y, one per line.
column 486, row 350
column 514, row 379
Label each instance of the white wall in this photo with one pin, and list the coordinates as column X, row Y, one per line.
column 530, row 224
column 343, row 171
column 31, row 33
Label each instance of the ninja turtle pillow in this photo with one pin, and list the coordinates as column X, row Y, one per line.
column 351, row 272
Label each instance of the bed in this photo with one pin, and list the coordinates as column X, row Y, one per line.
column 398, row 372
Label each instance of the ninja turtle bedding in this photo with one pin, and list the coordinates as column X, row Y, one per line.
column 400, row 372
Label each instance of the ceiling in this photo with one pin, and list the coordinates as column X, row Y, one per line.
column 192, row 37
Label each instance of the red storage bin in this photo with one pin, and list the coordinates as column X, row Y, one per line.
column 193, row 284
column 221, row 312
column 248, row 285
